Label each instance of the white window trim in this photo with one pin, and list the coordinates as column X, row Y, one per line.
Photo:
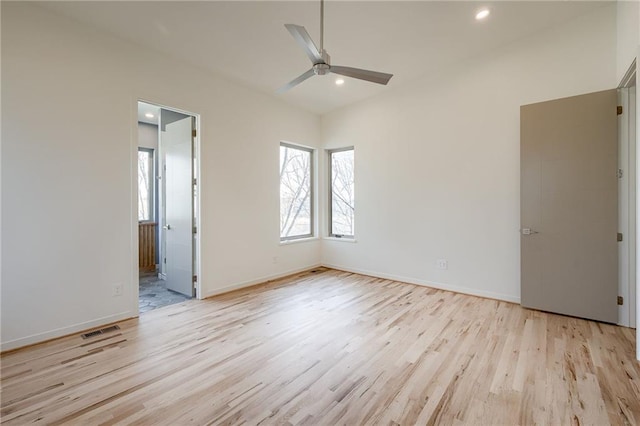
column 341, row 239
column 298, row 240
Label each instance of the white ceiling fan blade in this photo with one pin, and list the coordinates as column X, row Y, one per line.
column 304, row 40
column 373, row 76
column 296, row 81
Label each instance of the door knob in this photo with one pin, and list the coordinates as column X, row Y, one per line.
column 528, row 231
column 167, row 227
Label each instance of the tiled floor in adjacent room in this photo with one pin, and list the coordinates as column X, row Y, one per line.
column 154, row 293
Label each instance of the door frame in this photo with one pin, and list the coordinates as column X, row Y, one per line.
column 197, row 264
column 628, row 202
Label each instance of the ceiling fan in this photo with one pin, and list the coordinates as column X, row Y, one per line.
column 321, row 60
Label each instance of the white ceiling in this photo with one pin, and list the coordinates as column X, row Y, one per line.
column 144, row 109
column 245, row 41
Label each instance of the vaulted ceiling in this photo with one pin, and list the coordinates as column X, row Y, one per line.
column 246, row 41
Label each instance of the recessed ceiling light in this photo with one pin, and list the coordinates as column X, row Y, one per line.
column 340, row 82
column 482, row 14
column 148, row 115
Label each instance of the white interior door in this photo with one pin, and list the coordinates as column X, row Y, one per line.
column 178, row 225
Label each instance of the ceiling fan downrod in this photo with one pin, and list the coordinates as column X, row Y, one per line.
column 321, row 27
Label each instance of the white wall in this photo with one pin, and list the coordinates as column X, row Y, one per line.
column 437, row 168
column 68, row 200
column 628, row 34
column 437, row 161
column 147, row 136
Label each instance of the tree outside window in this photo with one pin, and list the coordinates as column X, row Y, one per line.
column 296, row 192
column 145, row 184
column 342, row 194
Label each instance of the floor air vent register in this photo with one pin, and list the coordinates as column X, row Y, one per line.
column 100, row 332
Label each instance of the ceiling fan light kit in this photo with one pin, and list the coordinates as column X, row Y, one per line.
column 321, row 61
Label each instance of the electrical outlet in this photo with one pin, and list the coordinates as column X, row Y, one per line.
column 442, row 264
column 117, row 290
column 275, row 259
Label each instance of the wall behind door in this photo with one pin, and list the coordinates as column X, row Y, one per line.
column 147, row 136
column 627, row 35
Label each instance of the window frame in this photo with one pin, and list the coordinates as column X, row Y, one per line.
column 330, row 152
column 152, row 184
column 312, row 191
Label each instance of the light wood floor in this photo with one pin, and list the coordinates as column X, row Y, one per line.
column 332, row 348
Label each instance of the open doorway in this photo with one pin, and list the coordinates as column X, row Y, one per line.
column 167, row 206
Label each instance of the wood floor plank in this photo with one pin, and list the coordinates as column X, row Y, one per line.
column 331, row 347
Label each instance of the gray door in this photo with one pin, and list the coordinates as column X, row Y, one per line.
column 178, row 148
column 569, row 206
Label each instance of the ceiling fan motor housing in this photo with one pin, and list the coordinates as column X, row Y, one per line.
column 321, row 69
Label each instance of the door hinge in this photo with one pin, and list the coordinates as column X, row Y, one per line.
column 195, row 229
column 619, row 174
column 165, row 260
column 620, row 300
column 619, row 236
column 195, row 278
column 194, row 132
column 619, row 110
column 195, row 181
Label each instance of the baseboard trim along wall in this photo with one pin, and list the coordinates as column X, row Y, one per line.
column 64, row 331
column 257, row 281
column 424, row 283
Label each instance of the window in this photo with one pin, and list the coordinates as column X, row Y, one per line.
column 341, row 195
column 296, row 192
column 145, row 184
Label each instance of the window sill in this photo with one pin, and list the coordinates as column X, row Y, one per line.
column 298, row 240
column 342, row 240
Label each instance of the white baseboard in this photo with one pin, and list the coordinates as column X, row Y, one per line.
column 249, row 283
column 64, row 331
column 440, row 286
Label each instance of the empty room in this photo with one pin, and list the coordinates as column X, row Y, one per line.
column 319, row 212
